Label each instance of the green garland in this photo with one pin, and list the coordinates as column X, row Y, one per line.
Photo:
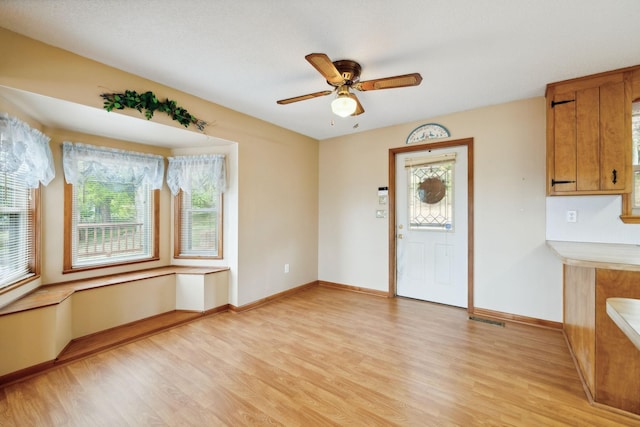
column 150, row 104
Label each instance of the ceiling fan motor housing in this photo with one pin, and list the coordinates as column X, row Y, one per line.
column 350, row 71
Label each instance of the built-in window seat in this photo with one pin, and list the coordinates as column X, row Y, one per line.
column 61, row 322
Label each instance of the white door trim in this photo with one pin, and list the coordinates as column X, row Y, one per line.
column 468, row 142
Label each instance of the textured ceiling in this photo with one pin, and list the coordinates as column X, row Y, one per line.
column 246, row 54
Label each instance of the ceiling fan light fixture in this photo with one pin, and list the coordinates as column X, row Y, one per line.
column 344, row 75
column 343, row 105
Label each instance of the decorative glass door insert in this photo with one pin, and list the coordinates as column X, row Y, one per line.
column 430, row 201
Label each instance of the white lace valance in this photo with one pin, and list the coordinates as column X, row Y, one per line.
column 187, row 171
column 25, row 151
column 83, row 161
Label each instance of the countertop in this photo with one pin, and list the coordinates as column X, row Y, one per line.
column 625, row 312
column 612, row 256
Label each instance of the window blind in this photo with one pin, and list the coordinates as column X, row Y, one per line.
column 412, row 162
column 16, row 229
column 199, row 222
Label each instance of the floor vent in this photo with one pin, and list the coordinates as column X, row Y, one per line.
column 489, row 321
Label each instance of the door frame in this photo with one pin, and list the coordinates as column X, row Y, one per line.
column 468, row 142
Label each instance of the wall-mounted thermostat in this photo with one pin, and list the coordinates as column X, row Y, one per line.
column 383, row 195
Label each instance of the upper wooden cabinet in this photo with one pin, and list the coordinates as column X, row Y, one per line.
column 589, row 134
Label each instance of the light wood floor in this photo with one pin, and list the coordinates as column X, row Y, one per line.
column 321, row 357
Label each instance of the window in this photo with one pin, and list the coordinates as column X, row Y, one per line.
column 430, row 180
column 199, row 233
column 112, row 197
column 635, row 134
column 18, row 230
column 198, row 183
column 25, row 163
column 631, row 201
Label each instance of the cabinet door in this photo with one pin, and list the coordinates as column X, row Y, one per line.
column 614, row 147
column 576, row 140
column 587, row 137
column 564, row 142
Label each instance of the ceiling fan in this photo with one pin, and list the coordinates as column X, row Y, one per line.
column 344, row 75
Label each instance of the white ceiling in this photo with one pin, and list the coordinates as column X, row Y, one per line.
column 246, row 54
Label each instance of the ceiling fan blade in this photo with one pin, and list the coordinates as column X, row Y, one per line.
column 303, row 97
column 404, row 80
column 359, row 109
column 323, row 64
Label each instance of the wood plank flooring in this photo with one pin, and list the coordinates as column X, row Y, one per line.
column 94, row 343
column 322, row 357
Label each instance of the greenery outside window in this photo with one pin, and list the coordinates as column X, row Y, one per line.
column 112, row 199
column 199, row 228
column 197, row 183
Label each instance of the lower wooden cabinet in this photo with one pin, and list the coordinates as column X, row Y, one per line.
column 608, row 361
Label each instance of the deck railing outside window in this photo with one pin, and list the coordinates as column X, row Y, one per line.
column 109, row 239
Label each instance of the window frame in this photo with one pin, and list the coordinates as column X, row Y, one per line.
column 34, row 258
column 177, row 227
column 628, row 215
column 67, row 264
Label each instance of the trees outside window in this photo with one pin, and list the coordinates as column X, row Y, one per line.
column 199, row 233
column 197, row 182
column 113, row 202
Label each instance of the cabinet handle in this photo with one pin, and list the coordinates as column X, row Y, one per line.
column 614, row 177
column 554, row 182
column 554, row 103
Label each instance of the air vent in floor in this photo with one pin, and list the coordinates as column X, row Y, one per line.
column 489, row 321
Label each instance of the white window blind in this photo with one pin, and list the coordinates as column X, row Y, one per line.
column 16, row 229
column 429, row 160
column 200, row 222
column 25, row 163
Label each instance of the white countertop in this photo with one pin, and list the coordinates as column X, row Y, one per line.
column 625, row 312
column 613, row 256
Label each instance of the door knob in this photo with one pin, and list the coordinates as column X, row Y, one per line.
column 399, row 236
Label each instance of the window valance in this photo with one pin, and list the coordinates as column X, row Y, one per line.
column 84, row 161
column 185, row 172
column 25, row 152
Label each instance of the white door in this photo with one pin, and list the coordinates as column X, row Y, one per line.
column 432, row 225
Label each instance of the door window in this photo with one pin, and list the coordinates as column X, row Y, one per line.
column 430, row 199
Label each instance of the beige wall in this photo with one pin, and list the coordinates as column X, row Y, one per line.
column 292, row 189
column 277, row 170
column 514, row 271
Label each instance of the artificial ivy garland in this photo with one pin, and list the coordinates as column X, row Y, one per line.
column 149, row 102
